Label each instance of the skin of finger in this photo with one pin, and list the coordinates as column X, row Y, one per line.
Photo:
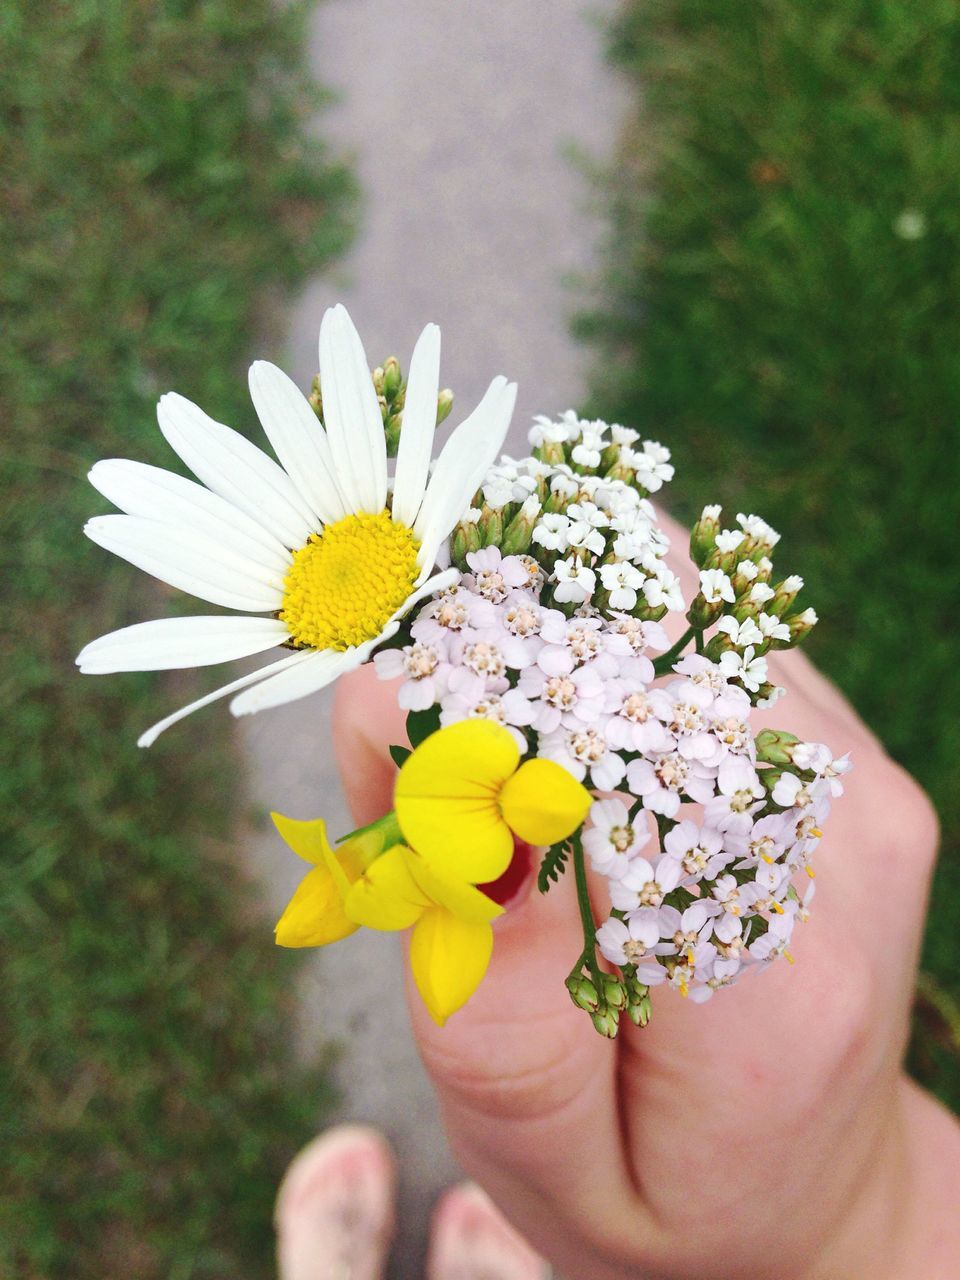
column 820, row 1033
column 788, row 1083
column 526, row 1087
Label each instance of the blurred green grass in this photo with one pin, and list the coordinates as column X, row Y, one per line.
column 160, row 189
column 781, row 305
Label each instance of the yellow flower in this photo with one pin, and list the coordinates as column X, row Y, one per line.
column 358, row 884
column 460, row 799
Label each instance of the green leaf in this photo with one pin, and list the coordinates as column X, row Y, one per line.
column 553, row 866
column 420, row 724
column 399, row 754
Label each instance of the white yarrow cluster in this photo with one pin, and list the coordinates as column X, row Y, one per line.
column 704, row 837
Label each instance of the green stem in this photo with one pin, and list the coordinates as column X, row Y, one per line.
column 666, row 660
column 589, row 954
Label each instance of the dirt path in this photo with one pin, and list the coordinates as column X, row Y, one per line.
column 460, row 115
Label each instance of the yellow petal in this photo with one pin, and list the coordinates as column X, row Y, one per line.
column 447, row 799
column 543, row 803
column 448, row 958
column 386, row 896
column 314, row 915
column 308, row 840
column 459, row 898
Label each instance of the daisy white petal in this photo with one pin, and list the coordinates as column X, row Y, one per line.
column 153, row 733
column 439, row 582
column 462, row 465
column 191, row 561
column 155, row 494
column 297, row 438
column 173, row 643
column 323, row 667
column 419, row 427
column 234, row 468
column 352, row 414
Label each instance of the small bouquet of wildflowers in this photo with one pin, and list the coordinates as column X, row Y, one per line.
column 517, row 607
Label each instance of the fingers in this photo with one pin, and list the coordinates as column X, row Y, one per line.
column 527, row 1089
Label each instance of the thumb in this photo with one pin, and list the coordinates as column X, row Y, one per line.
column 527, row 1089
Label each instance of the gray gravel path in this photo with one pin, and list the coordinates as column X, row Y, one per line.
column 460, row 115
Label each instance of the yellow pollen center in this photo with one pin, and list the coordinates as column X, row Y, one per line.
column 348, row 581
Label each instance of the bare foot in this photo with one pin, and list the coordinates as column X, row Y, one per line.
column 334, row 1214
column 471, row 1240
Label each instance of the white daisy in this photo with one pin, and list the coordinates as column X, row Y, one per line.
column 320, row 546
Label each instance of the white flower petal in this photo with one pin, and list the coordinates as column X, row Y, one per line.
column 174, row 643
column 190, row 561
column 465, row 460
column 237, row 470
column 153, row 733
column 324, row 667
column 297, row 438
column 352, row 414
column 155, row 494
column 419, row 427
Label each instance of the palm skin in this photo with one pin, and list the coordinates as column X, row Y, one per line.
column 767, row 1135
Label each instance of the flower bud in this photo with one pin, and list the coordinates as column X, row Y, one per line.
column 775, row 746
column 784, row 594
column 518, row 533
column 444, row 404
column 702, row 614
column 465, row 539
column 648, row 612
column 639, row 1010
column 391, row 429
column 764, row 569
column 378, row 380
column 703, row 535
column 801, row 624
column 392, row 377
column 614, row 993
column 583, row 993
column 551, row 452
column 316, row 402
column 491, row 526
column 605, row 1021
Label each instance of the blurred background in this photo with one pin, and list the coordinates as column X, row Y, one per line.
column 739, row 233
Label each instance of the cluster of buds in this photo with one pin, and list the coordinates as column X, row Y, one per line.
column 391, row 388
column 606, row 997
column 752, row 614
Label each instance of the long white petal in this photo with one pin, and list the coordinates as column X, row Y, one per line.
column 324, row 667
column 419, row 427
column 230, row 465
column 155, row 494
column 298, row 439
column 175, row 643
column 439, row 582
column 351, row 414
column 190, row 561
column 465, row 460
column 153, row 733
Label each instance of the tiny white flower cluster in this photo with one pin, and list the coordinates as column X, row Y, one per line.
column 553, row 631
column 490, row 646
column 585, row 515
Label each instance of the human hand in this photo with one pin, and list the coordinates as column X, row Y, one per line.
column 770, row 1133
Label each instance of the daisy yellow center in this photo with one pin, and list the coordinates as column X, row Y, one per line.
column 348, row 581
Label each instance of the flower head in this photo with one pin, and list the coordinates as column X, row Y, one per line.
column 376, row 882
column 320, row 542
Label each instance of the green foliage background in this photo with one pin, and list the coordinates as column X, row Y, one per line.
column 156, row 180
column 763, row 314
